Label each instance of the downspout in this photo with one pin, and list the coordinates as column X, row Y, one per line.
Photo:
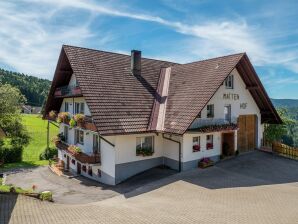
column 179, row 143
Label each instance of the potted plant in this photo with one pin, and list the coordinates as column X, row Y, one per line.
column 52, row 114
column 74, row 149
column 79, row 118
column 72, row 123
column 205, row 162
column 63, row 117
column 196, row 148
column 209, row 145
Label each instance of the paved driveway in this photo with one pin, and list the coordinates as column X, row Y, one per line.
column 252, row 188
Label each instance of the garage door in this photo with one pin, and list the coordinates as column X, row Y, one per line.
column 247, row 133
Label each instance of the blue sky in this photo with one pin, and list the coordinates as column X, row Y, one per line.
column 32, row 32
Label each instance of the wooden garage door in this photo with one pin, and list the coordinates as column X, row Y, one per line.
column 247, row 133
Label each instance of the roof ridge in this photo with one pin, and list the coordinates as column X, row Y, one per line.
column 110, row 52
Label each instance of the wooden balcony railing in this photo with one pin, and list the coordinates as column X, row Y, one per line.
column 81, row 157
column 68, row 91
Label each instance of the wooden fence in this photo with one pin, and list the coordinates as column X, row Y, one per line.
column 285, row 150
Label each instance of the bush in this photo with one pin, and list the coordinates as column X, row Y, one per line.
column 46, row 196
column 11, row 154
column 48, row 154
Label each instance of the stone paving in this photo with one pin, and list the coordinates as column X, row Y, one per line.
column 252, row 188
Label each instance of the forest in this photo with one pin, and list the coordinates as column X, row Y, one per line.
column 34, row 89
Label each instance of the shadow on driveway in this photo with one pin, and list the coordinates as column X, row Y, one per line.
column 7, row 204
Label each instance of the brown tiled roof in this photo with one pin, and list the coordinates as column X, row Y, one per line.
column 192, row 86
column 119, row 101
column 122, row 103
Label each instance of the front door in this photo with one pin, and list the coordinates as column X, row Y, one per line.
column 67, row 163
column 247, row 132
column 78, row 168
column 228, row 143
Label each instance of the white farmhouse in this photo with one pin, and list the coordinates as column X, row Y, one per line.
column 140, row 113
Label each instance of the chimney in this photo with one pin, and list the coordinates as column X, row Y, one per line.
column 136, row 62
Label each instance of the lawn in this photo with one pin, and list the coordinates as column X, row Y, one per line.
column 37, row 129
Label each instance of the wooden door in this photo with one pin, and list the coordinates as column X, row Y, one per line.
column 247, row 132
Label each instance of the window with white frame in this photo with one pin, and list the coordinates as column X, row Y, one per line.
column 209, row 142
column 196, row 144
column 229, row 82
column 79, row 136
column 145, row 146
column 210, row 110
column 79, row 108
column 66, row 107
column 96, row 144
column 227, row 113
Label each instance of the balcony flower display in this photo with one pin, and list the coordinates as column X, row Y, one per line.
column 74, row 149
column 72, row 123
column 63, row 117
column 205, row 162
column 79, row 118
column 209, row 146
column 56, row 140
column 144, row 152
column 52, row 114
column 216, row 128
column 196, row 148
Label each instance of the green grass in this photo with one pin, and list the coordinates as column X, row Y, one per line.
column 37, row 129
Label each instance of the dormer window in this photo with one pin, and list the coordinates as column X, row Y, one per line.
column 79, row 108
column 229, row 82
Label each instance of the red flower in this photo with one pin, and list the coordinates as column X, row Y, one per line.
column 196, row 148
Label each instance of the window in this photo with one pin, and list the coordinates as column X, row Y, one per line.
column 229, row 82
column 65, row 133
column 227, row 112
column 145, row 146
column 96, row 144
column 196, row 144
column 79, row 108
column 199, row 115
column 66, row 107
column 210, row 110
column 209, row 142
column 79, row 137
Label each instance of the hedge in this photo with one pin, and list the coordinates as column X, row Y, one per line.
column 11, row 154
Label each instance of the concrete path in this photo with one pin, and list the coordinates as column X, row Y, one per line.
column 252, row 188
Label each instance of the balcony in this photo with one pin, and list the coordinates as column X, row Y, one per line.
column 68, row 91
column 81, row 157
column 213, row 124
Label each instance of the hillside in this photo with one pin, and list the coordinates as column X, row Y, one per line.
column 34, row 89
column 285, row 102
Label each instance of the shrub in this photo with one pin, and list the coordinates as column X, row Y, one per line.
column 48, row 153
column 11, row 154
column 46, row 196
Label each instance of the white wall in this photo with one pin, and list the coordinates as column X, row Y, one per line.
column 126, row 148
column 71, row 102
column 244, row 97
column 189, row 155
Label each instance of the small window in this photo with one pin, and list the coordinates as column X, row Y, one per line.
column 79, row 108
column 66, row 107
column 196, row 144
column 209, row 142
column 210, row 111
column 96, row 144
column 227, row 112
column 145, row 146
column 65, row 133
column 199, row 115
column 229, row 82
column 79, row 137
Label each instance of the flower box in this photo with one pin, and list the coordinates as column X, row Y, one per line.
column 76, row 91
column 142, row 152
column 196, row 148
column 205, row 162
column 209, row 146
